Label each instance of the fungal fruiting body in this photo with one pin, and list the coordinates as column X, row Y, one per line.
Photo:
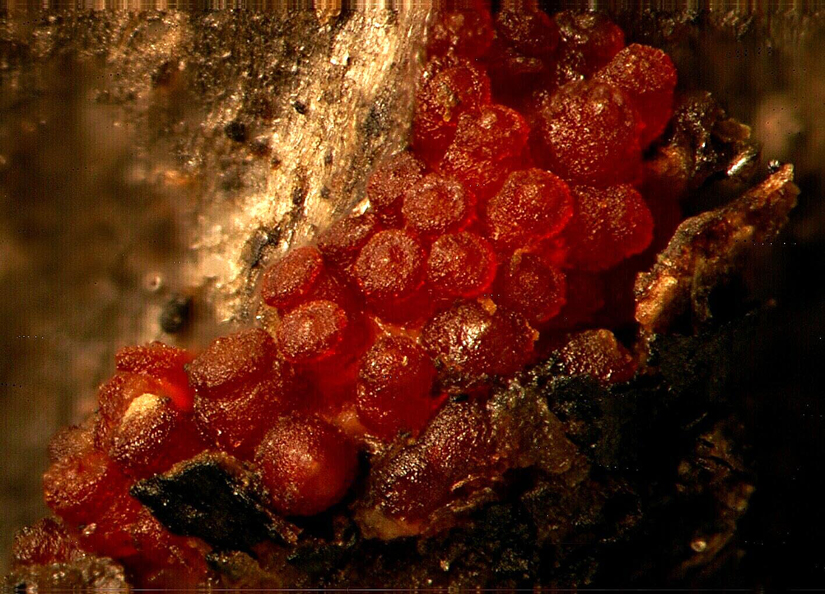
column 485, row 242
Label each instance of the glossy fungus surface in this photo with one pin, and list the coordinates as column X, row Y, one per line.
column 305, row 464
column 588, row 132
column 395, row 381
column 497, row 236
column 437, row 205
column 461, row 265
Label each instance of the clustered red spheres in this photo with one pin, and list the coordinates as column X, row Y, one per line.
column 491, row 234
column 144, row 425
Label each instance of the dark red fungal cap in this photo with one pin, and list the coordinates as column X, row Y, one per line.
column 461, row 265
column 306, row 465
column 394, row 384
column 342, row 242
column 301, row 276
column 610, row 225
column 531, row 205
column 437, row 205
column 466, row 32
column 163, row 363
column 512, row 71
column 648, row 77
column 406, row 489
column 495, row 133
column 531, row 288
column 483, row 178
column 312, row 332
column 588, row 133
column 509, row 342
column 486, row 148
column 291, row 280
column 598, row 354
column 232, row 360
column 390, row 266
column 454, row 91
column 238, row 421
column 440, row 101
column 109, row 533
column 388, row 184
column 589, row 40
column 469, row 343
column 77, row 487
column 458, row 441
column 528, row 29
column 155, row 359
column 151, row 436
column 43, row 543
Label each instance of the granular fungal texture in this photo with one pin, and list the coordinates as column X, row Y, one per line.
column 395, row 382
column 305, row 464
column 648, row 77
column 533, row 204
column 437, row 205
column 386, row 396
column 342, row 241
column 608, row 226
column 389, row 182
column 440, row 102
column 314, row 331
column 470, row 343
column 486, row 148
column 293, row 278
column 588, row 132
column 532, row 288
column 461, row 265
column 589, row 41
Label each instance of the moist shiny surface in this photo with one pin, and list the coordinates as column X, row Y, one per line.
column 472, row 251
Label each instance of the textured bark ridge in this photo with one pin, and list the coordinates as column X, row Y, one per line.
column 705, row 250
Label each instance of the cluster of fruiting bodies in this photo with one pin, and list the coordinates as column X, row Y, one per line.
column 483, row 247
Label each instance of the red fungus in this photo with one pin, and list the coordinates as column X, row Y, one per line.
column 648, row 77
column 588, row 133
column 455, row 298
column 388, row 184
column 532, row 204
column 394, row 384
column 461, row 265
column 437, row 205
column 305, row 464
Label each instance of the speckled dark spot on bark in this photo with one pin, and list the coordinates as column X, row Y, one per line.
column 176, row 314
column 235, row 131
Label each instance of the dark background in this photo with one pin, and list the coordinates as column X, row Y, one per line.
column 91, row 234
column 769, row 71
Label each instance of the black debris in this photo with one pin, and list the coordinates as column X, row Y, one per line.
column 211, row 497
column 176, row 314
column 236, row 131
